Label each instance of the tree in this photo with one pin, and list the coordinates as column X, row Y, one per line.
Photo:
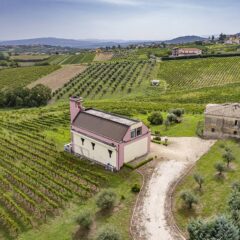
column 222, row 37
column 189, row 198
column 155, row 118
column 85, row 219
column 228, row 157
column 220, row 168
column 199, row 180
column 106, row 199
column 108, row 233
column 178, row 112
column 171, row 117
column 216, row 229
column 40, row 94
column 167, row 124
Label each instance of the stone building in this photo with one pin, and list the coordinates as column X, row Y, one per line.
column 222, row 120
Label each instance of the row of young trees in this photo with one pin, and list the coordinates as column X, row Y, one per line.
column 25, row 97
column 223, row 227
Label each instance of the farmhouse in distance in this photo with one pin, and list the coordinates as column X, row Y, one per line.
column 183, row 52
column 222, row 121
column 106, row 138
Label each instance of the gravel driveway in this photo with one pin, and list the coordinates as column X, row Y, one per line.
column 149, row 218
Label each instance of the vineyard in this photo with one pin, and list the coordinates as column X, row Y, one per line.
column 36, row 180
column 71, row 59
column 20, row 77
column 199, row 73
column 107, row 79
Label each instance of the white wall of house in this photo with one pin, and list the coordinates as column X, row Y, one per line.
column 100, row 152
column 135, row 149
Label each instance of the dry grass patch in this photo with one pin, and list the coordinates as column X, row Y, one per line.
column 103, row 56
column 58, row 78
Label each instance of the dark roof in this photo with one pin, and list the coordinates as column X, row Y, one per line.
column 101, row 126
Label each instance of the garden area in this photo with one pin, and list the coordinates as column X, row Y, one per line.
column 210, row 190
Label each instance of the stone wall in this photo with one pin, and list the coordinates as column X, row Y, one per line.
column 221, row 127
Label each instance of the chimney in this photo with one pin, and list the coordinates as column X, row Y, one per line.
column 75, row 107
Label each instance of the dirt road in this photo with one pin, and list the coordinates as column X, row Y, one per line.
column 150, row 216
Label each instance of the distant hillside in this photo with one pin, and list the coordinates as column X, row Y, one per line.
column 92, row 43
column 61, row 42
column 185, row 39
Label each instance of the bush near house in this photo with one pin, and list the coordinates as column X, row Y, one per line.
column 155, row 118
column 106, row 199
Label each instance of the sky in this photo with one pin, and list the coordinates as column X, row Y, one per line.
column 117, row 19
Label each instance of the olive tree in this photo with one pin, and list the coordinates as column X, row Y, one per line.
column 189, row 199
column 108, row 233
column 106, row 199
column 199, row 180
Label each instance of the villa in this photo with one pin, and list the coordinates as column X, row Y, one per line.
column 106, row 138
column 222, row 120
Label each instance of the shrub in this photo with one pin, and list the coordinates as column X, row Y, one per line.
column 136, row 188
column 108, row 233
column 155, row 118
column 218, row 228
column 85, row 219
column 189, row 198
column 220, row 168
column 172, row 118
column 178, row 112
column 106, row 199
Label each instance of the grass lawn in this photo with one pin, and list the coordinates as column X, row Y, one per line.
column 214, row 197
column 20, row 77
column 64, row 226
column 187, row 128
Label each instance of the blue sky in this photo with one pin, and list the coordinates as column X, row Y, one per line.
column 117, row 19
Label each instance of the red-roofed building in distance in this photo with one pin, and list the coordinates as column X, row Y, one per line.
column 184, row 52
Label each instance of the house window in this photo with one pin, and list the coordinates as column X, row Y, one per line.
column 82, row 139
column 110, row 153
column 139, row 131
column 133, row 133
column 236, row 122
column 93, row 146
column 213, row 129
column 235, row 132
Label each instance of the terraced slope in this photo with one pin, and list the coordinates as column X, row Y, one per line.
column 199, row 73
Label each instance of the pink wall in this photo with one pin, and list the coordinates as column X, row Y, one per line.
column 119, row 146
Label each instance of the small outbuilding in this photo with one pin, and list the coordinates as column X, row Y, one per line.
column 222, row 120
column 155, row 82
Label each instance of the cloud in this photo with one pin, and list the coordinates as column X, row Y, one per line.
column 123, row 2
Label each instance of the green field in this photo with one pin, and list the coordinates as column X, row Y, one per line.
column 38, row 181
column 106, row 80
column 71, row 59
column 199, row 73
column 214, row 197
column 20, row 77
column 47, row 189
